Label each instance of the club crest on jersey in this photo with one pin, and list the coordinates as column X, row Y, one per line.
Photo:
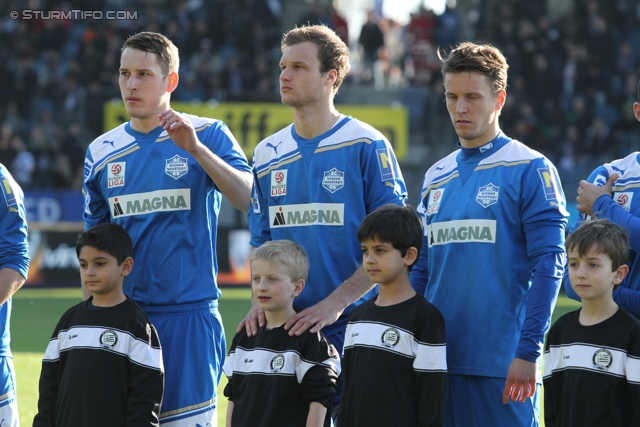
column 108, row 338
column 435, row 197
column 390, row 337
column 278, row 183
column 487, row 195
column 602, row 359
column 333, row 180
column 115, row 174
column 623, row 199
column 176, row 167
column 277, row 363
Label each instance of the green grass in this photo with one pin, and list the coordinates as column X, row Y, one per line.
column 36, row 312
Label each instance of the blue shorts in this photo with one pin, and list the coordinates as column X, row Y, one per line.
column 193, row 351
column 8, row 403
column 473, row 401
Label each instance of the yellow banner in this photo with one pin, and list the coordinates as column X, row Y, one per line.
column 251, row 123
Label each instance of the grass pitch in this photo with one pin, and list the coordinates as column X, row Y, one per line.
column 36, row 312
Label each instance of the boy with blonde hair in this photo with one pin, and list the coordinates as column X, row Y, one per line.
column 275, row 378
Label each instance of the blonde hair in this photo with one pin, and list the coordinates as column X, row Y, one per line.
column 288, row 253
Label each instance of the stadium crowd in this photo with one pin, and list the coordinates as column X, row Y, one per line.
column 572, row 85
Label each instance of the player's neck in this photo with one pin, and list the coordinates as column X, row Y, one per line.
column 277, row 318
column 314, row 120
column 597, row 310
column 144, row 125
column 395, row 292
column 109, row 299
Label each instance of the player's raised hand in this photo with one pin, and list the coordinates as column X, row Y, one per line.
column 588, row 194
column 180, row 129
column 521, row 381
column 313, row 318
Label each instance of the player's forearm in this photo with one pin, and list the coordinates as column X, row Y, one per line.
column 10, row 282
column 233, row 183
column 545, row 285
column 351, row 289
column 317, row 413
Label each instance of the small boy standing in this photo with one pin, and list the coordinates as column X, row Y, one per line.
column 592, row 355
column 103, row 365
column 394, row 361
column 276, row 379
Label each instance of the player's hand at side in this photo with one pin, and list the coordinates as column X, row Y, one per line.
column 180, row 129
column 521, row 381
column 314, row 318
column 254, row 320
column 588, row 194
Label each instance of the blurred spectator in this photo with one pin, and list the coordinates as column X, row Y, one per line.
column 371, row 40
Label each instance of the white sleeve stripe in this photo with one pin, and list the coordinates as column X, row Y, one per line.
column 430, row 358
column 52, row 353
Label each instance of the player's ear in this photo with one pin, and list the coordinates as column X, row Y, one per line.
column 620, row 273
column 501, row 98
column 332, row 76
column 299, row 286
column 410, row 256
column 127, row 266
column 172, row 82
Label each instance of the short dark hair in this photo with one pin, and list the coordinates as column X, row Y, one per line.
column 146, row 41
column 398, row 225
column 605, row 237
column 333, row 53
column 480, row 58
column 638, row 92
column 108, row 237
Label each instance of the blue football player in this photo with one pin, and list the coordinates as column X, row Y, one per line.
column 161, row 176
column 14, row 266
column 316, row 180
column 492, row 259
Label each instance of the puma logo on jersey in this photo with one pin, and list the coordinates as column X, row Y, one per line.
column 275, row 147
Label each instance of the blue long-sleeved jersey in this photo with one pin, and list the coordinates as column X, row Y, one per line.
column 493, row 253
column 316, row 193
column 14, row 248
column 168, row 204
column 622, row 208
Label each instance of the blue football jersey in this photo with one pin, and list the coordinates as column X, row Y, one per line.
column 14, row 248
column 625, row 195
column 317, row 192
column 167, row 202
column 487, row 214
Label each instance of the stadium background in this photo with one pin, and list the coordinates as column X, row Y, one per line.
column 574, row 69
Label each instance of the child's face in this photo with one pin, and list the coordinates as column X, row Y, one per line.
column 273, row 288
column 591, row 276
column 100, row 272
column 382, row 262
